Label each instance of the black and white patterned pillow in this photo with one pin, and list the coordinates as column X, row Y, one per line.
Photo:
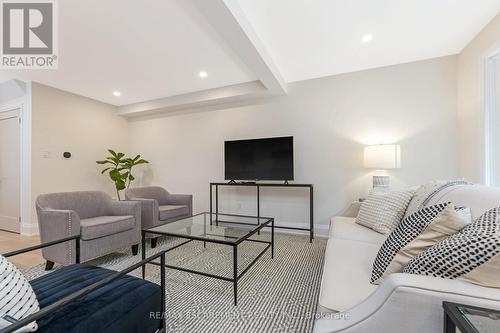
column 17, row 298
column 406, row 231
column 461, row 253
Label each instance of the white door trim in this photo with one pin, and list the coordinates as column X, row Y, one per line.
column 24, row 106
column 488, row 139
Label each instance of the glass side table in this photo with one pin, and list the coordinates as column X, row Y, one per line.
column 470, row 319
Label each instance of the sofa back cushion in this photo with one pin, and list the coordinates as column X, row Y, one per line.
column 86, row 204
column 478, row 198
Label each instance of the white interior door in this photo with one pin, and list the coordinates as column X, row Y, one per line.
column 10, row 173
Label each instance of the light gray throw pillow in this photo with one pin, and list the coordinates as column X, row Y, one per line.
column 382, row 212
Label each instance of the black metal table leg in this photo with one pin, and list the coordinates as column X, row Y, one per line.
column 311, row 214
column 449, row 326
column 77, row 248
column 272, row 239
column 235, row 273
column 216, row 205
column 143, row 247
column 163, row 288
column 258, row 207
column 210, row 203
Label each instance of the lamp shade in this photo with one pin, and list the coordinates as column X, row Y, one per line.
column 382, row 157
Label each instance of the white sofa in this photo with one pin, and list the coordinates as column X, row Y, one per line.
column 403, row 302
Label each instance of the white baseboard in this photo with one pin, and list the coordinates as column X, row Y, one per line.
column 29, row 229
column 320, row 230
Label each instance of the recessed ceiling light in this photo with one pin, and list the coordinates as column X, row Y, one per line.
column 203, row 74
column 367, row 38
column 117, row 93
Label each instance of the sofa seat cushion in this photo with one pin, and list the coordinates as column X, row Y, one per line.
column 102, row 226
column 346, row 273
column 347, row 228
column 168, row 212
column 122, row 306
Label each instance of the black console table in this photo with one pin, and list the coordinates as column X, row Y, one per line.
column 258, row 186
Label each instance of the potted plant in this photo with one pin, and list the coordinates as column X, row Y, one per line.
column 119, row 168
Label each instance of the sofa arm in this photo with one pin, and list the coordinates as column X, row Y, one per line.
column 352, row 210
column 121, row 208
column 408, row 303
column 56, row 224
column 181, row 199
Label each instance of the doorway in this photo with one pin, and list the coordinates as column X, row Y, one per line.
column 10, row 170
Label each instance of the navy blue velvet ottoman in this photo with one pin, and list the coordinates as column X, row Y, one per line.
column 122, row 306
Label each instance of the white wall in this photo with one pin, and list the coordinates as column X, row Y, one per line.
column 331, row 119
column 470, row 99
column 61, row 122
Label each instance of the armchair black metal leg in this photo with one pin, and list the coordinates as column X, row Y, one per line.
column 154, row 241
column 135, row 249
column 49, row 265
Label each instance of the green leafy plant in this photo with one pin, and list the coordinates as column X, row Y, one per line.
column 119, row 168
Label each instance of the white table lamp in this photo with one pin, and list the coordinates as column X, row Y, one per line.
column 382, row 157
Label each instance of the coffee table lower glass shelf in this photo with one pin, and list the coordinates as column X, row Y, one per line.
column 225, row 229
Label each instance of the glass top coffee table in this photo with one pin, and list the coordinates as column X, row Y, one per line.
column 225, row 229
column 470, row 319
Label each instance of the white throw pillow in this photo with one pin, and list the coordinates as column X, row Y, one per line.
column 429, row 194
column 382, row 212
column 17, row 298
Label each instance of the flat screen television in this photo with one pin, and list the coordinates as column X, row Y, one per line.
column 259, row 159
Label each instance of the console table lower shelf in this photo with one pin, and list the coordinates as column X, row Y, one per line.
column 258, row 187
column 225, row 229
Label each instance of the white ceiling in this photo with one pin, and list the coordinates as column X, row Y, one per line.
column 315, row 38
column 144, row 49
column 151, row 51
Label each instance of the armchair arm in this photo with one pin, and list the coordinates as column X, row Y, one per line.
column 181, row 199
column 149, row 212
column 56, row 224
column 87, row 290
column 121, row 208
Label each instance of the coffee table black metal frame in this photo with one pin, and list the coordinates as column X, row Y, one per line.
column 190, row 238
column 454, row 319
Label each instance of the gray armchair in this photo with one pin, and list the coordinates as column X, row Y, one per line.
column 159, row 206
column 105, row 225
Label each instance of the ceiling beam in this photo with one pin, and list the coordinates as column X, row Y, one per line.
column 195, row 100
column 229, row 21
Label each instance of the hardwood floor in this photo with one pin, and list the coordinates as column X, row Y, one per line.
column 10, row 241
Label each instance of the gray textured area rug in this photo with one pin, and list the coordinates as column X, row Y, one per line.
column 275, row 295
